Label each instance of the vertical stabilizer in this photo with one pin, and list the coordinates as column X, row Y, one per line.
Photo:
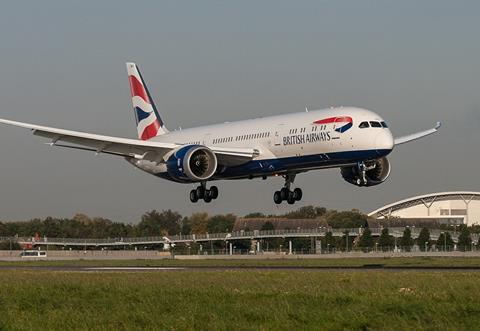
column 149, row 122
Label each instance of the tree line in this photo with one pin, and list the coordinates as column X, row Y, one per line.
column 168, row 222
column 165, row 222
column 386, row 242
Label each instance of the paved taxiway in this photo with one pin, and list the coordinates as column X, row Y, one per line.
column 364, row 268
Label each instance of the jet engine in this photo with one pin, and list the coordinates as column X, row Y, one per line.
column 368, row 173
column 193, row 163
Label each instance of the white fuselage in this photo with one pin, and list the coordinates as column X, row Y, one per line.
column 291, row 142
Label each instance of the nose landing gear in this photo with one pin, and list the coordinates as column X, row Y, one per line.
column 362, row 172
column 201, row 192
column 362, row 168
column 286, row 194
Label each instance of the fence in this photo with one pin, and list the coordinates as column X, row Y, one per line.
column 256, row 235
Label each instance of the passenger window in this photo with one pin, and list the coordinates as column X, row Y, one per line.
column 384, row 125
column 375, row 124
column 363, row 125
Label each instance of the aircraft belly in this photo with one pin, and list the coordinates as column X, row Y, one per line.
column 298, row 163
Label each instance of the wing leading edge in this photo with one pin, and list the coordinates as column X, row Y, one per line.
column 131, row 148
column 418, row 135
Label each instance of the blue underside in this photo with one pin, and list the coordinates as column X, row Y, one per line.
column 258, row 168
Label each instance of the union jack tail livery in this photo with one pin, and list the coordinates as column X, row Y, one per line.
column 149, row 123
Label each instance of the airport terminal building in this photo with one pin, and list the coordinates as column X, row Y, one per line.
column 452, row 208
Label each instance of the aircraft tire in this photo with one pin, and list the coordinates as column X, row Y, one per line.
column 200, row 192
column 193, row 196
column 207, row 196
column 291, row 198
column 298, row 194
column 277, row 197
column 214, row 192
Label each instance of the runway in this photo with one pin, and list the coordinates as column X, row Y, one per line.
column 125, row 269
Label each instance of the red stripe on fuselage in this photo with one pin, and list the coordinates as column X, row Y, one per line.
column 137, row 89
column 334, row 120
column 151, row 130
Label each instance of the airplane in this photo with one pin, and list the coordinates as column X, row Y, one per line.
column 355, row 140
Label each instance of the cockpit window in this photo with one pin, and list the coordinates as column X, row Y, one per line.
column 384, row 125
column 375, row 124
column 363, row 125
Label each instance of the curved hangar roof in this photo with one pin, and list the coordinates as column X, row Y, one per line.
column 426, row 200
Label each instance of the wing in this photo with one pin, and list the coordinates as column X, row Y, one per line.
column 132, row 148
column 230, row 157
column 418, row 135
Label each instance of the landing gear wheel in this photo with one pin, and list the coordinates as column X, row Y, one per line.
column 291, row 198
column 200, row 192
column 285, row 194
column 214, row 192
column 193, row 196
column 298, row 194
column 277, row 197
column 207, row 197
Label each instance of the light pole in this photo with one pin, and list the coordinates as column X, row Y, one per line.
column 444, row 241
column 346, row 242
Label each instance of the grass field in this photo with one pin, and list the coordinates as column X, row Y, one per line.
column 239, row 300
column 242, row 299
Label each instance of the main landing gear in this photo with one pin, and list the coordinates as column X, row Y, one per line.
column 286, row 194
column 201, row 192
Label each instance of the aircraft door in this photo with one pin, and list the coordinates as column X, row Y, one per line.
column 207, row 139
column 278, row 135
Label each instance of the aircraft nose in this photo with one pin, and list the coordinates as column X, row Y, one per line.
column 384, row 142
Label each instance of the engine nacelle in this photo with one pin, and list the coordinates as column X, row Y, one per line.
column 193, row 163
column 377, row 171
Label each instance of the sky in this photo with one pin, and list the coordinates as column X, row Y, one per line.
column 63, row 65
